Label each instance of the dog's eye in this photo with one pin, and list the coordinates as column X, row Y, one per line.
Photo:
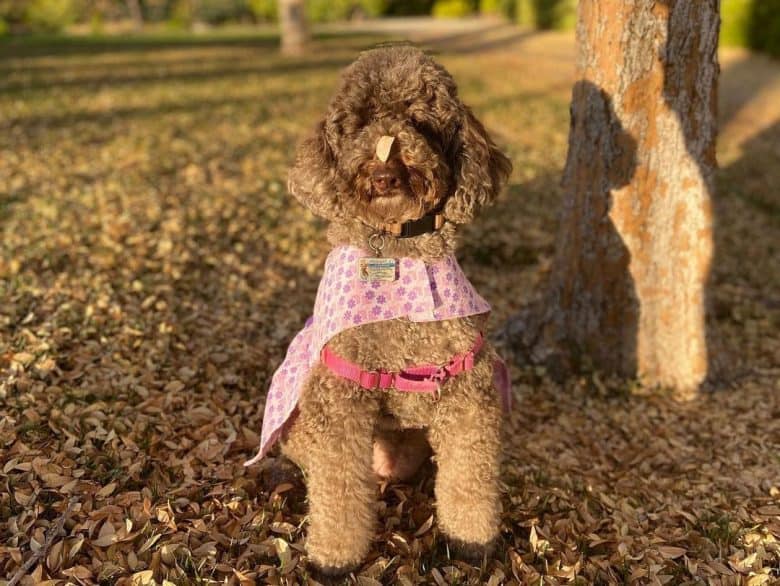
column 424, row 128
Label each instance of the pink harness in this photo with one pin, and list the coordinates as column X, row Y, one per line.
column 426, row 378
column 420, row 293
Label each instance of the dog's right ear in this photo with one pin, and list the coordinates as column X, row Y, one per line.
column 313, row 179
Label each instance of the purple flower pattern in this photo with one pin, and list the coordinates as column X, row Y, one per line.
column 344, row 301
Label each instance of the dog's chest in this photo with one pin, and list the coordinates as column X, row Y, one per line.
column 396, row 344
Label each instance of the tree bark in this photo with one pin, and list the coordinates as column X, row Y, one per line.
column 292, row 19
column 134, row 8
column 628, row 281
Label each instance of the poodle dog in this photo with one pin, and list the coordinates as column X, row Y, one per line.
column 393, row 362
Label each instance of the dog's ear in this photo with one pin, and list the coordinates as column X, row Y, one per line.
column 313, row 179
column 480, row 169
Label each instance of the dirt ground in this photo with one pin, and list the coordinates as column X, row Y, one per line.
column 152, row 272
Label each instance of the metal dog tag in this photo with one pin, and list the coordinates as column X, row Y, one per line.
column 377, row 269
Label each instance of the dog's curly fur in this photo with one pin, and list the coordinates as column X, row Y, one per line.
column 448, row 164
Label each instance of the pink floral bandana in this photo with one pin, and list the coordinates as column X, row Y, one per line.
column 420, row 293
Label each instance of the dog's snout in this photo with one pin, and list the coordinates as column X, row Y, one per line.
column 385, row 178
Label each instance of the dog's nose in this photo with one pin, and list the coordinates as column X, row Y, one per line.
column 385, row 179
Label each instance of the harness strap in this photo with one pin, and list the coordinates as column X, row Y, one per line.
column 425, row 378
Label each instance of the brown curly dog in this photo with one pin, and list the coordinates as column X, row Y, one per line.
column 398, row 155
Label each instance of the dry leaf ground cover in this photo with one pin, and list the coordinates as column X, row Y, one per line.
column 153, row 271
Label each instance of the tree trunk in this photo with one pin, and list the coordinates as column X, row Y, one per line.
column 292, row 19
column 134, row 8
column 628, row 282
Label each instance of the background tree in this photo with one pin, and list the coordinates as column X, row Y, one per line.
column 136, row 14
column 628, row 281
column 292, row 21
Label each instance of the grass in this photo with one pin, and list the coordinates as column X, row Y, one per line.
column 152, row 271
column 40, row 44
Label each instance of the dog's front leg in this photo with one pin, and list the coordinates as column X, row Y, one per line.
column 332, row 440
column 465, row 437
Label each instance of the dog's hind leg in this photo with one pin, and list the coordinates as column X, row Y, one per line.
column 465, row 435
column 398, row 454
column 331, row 439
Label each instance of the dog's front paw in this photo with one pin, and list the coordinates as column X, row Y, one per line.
column 331, row 574
column 338, row 555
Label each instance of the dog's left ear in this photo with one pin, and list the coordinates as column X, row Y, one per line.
column 481, row 170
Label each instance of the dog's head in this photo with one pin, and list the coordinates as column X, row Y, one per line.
column 397, row 143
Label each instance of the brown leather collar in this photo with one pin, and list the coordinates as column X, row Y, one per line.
column 425, row 225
